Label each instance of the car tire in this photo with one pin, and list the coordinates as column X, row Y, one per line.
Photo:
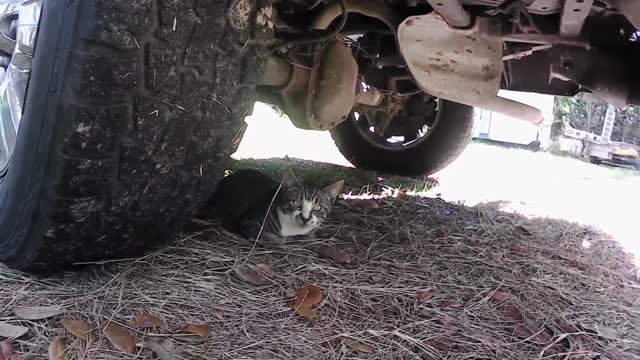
column 130, row 114
column 444, row 142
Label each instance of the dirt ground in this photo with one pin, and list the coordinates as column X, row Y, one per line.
column 399, row 277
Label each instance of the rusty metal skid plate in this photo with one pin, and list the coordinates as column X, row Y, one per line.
column 461, row 65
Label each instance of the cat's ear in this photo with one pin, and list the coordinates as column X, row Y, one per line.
column 289, row 180
column 333, row 190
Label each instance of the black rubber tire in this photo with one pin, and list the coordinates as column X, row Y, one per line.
column 130, row 114
column 445, row 141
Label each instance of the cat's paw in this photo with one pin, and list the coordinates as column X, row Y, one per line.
column 274, row 238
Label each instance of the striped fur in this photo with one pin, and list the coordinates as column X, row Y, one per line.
column 251, row 202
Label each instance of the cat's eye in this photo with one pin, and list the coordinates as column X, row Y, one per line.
column 317, row 208
column 297, row 204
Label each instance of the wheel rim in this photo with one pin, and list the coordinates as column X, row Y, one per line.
column 19, row 21
column 417, row 133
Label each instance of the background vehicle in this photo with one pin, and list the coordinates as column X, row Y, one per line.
column 117, row 116
column 598, row 148
column 498, row 128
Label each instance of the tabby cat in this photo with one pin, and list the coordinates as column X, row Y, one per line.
column 243, row 198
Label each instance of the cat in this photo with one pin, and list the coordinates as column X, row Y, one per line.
column 243, row 199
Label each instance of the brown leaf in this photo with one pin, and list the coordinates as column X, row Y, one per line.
column 12, row 331
column 56, row 349
column 513, row 313
column 144, row 321
column 37, row 312
column 518, row 248
column 604, row 331
column 80, row 329
column 522, row 331
column 166, row 349
column 6, row 350
column 452, row 304
column 330, row 252
column 251, row 275
column 357, row 345
column 424, row 296
column 307, row 312
column 120, row 338
column 196, row 329
column 307, row 296
column 523, row 230
column 501, row 296
column 363, row 203
column 439, row 342
column 265, row 269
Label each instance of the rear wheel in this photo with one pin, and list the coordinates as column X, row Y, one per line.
column 423, row 138
column 130, row 111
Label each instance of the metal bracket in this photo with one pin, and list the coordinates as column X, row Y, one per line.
column 452, row 12
column 461, row 65
column 573, row 16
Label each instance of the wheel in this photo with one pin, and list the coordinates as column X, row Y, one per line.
column 130, row 111
column 419, row 141
column 534, row 146
column 594, row 160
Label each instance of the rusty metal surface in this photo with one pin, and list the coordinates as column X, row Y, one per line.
column 464, row 66
column 540, row 7
column 459, row 65
column 370, row 97
column 332, row 86
column 452, row 12
column 373, row 8
column 278, row 72
column 630, row 9
column 573, row 16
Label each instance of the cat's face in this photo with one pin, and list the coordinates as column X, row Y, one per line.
column 308, row 206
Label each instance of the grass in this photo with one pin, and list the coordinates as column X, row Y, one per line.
column 414, row 277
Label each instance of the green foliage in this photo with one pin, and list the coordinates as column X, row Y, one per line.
column 586, row 114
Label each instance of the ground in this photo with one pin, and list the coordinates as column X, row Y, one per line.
column 401, row 272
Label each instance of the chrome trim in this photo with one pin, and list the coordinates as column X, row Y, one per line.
column 21, row 16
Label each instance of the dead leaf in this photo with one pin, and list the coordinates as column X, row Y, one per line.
column 6, row 350
column 307, row 312
column 501, row 296
column 165, row 349
column 144, row 321
column 12, row 331
column 604, row 331
column 357, row 345
column 199, row 329
column 56, row 349
column 496, row 256
column 452, row 304
column 80, row 329
column 265, row 269
column 522, row 331
column 37, row 312
column 363, row 203
column 518, row 248
column 330, row 252
column 251, row 275
column 120, row 338
column 513, row 313
column 307, row 296
column 439, row 342
column 523, row 230
column 424, row 296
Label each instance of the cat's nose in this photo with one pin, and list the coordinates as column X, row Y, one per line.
column 304, row 219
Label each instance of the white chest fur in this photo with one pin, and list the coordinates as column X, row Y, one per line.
column 290, row 224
